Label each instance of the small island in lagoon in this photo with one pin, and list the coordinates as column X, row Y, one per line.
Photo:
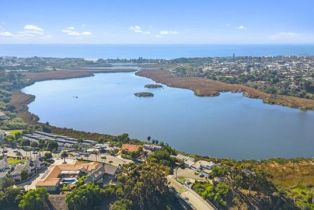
column 153, row 86
column 144, row 94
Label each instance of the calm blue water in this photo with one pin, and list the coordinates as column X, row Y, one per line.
column 152, row 51
column 230, row 125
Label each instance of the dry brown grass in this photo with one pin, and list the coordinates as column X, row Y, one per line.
column 206, row 87
column 291, row 174
column 60, row 74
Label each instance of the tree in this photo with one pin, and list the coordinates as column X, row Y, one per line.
column 146, row 186
column 34, row 200
column 64, row 155
column 124, row 138
column 163, row 156
column 24, row 175
column 47, row 156
column 123, row 204
column 52, row 146
column 6, row 182
column 79, row 141
column 25, row 142
column 10, row 198
column 84, row 197
column 34, row 144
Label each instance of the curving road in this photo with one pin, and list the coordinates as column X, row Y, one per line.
column 196, row 201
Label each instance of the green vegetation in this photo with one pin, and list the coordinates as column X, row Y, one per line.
column 84, row 197
column 284, row 183
column 293, row 177
column 215, row 192
column 122, row 204
column 6, row 182
column 275, row 75
column 163, row 156
column 145, row 185
column 10, row 198
column 40, row 64
column 144, row 94
column 242, row 184
column 153, row 86
column 34, row 200
column 15, row 161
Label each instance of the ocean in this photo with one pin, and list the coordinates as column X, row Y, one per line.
column 151, row 51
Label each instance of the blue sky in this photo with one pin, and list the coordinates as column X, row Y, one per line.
column 157, row 22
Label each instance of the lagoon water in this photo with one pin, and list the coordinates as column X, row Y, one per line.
column 229, row 125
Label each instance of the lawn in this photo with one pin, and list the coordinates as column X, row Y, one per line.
column 15, row 161
column 14, row 132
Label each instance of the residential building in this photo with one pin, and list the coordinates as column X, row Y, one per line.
column 69, row 173
column 130, row 148
column 2, row 135
column 4, row 166
column 152, row 147
column 18, row 170
column 188, row 161
column 3, row 116
column 202, row 165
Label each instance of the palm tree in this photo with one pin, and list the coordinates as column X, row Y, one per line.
column 80, row 141
column 96, row 153
column 64, row 155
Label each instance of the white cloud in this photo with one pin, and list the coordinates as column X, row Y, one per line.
column 283, row 36
column 164, row 32
column 241, row 28
column 71, row 31
column 291, row 37
column 33, row 29
column 6, row 34
column 28, row 31
column 138, row 29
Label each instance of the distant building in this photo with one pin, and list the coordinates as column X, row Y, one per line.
column 17, row 173
column 152, row 147
column 3, row 116
column 4, row 166
column 188, row 161
column 202, row 165
column 2, row 135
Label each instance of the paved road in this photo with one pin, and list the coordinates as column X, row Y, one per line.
column 196, row 201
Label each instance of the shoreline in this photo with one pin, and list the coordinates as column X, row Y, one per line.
column 205, row 87
column 21, row 100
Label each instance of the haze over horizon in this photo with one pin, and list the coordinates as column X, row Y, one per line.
column 158, row 22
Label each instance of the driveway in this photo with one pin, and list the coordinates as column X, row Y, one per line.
column 196, row 201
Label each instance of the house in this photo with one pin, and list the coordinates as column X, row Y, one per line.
column 95, row 175
column 202, row 164
column 188, row 161
column 110, row 169
column 3, row 116
column 2, row 135
column 3, row 175
column 130, row 148
column 36, row 163
column 4, row 166
column 18, row 170
column 152, row 147
column 69, row 173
